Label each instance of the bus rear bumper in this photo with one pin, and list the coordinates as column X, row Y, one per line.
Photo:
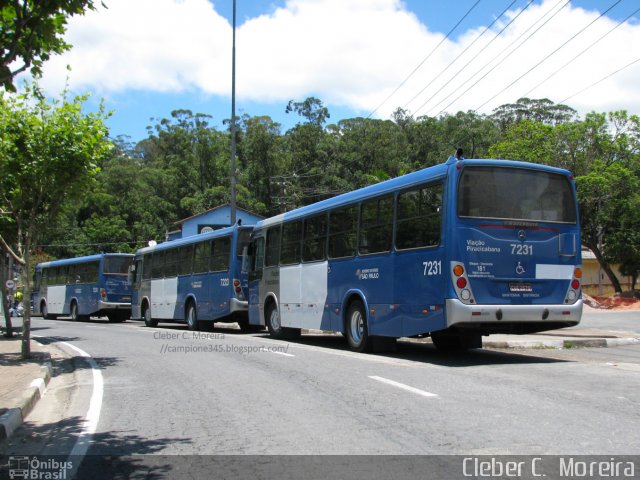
column 512, row 318
column 236, row 305
column 113, row 306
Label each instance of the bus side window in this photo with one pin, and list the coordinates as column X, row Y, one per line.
column 343, row 228
column 315, row 238
column 272, row 249
column 376, row 225
column 419, row 217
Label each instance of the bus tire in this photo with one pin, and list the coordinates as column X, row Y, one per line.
column 357, row 329
column 148, row 320
column 75, row 317
column 191, row 317
column 273, row 322
column 45, row 312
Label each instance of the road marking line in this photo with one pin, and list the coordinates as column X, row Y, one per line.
column 281, row 353
column 90, row 423
column 403, row 386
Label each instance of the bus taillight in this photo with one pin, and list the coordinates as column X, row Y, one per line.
column 237, row 287
column 103, row 294
column 573, row 293
column 461, row 283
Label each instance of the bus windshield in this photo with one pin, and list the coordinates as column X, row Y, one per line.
column 509, row 193
column 117, row 265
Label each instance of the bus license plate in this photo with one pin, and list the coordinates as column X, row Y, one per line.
column 520, row 287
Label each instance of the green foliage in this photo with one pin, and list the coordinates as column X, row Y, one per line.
column 140, row 191
column 32, row 30
column 609, row 200
column 49, row 155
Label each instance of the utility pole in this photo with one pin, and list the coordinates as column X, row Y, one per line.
column 233, row 120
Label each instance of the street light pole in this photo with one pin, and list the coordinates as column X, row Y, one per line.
column 233, row 120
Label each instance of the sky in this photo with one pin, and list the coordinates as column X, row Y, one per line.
column 361, row 58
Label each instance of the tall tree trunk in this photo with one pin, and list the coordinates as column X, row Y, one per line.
column 5, row 296
column 26, row 301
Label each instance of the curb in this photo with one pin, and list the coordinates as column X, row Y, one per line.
column 561, row 343
column 538, row 341
column 14, row 417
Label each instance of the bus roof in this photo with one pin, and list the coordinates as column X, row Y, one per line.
column 75, row 260
column 221, row 232
column 404, row 181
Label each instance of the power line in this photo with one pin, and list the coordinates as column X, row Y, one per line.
column 508, row 55
column 424, row 60
column 601, row 80
column 497, row 35
column 548, row 56
column 459, row 55
column 581, row 53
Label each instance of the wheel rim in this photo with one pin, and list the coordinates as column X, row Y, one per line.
column 274, row 319
column 356, row 326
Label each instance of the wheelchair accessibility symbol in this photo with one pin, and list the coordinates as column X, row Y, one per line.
column 520, row 269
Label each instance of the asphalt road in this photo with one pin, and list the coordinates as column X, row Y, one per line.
column 171, row 392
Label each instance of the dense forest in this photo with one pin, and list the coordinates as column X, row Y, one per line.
column 183, row 168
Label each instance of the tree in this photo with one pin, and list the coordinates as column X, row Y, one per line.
column 536, row 110
column 31, row 30
column 49, row 154
column 608, row 198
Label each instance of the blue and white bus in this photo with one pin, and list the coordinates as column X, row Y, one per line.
column 200, row 279
column 82, row 287
column 455, row 251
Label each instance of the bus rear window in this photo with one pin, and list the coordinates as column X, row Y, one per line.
column 117, row 265
column 508, row 193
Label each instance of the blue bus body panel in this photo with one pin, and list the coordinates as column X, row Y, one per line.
column 88, row 296
column 407, row 292
column 211, row 292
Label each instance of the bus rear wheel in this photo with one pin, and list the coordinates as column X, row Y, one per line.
column 146, row 314
column 356, row 328
column 75, row 316
column 192, row 317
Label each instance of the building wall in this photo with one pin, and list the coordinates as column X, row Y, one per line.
column 215, row 218
column 595, row 281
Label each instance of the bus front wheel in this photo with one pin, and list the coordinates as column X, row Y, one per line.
column 356, row 328
column 148, row 321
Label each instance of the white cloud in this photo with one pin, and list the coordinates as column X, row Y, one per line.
column 353, row 53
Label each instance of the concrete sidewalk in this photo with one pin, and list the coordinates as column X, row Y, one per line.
column 22, row 382
column 573, row 337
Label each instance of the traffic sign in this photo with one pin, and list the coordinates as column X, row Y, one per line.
column 10, row 284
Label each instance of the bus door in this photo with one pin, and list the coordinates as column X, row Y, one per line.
column 221, row 288
column 420, row 284
column 256, row 253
